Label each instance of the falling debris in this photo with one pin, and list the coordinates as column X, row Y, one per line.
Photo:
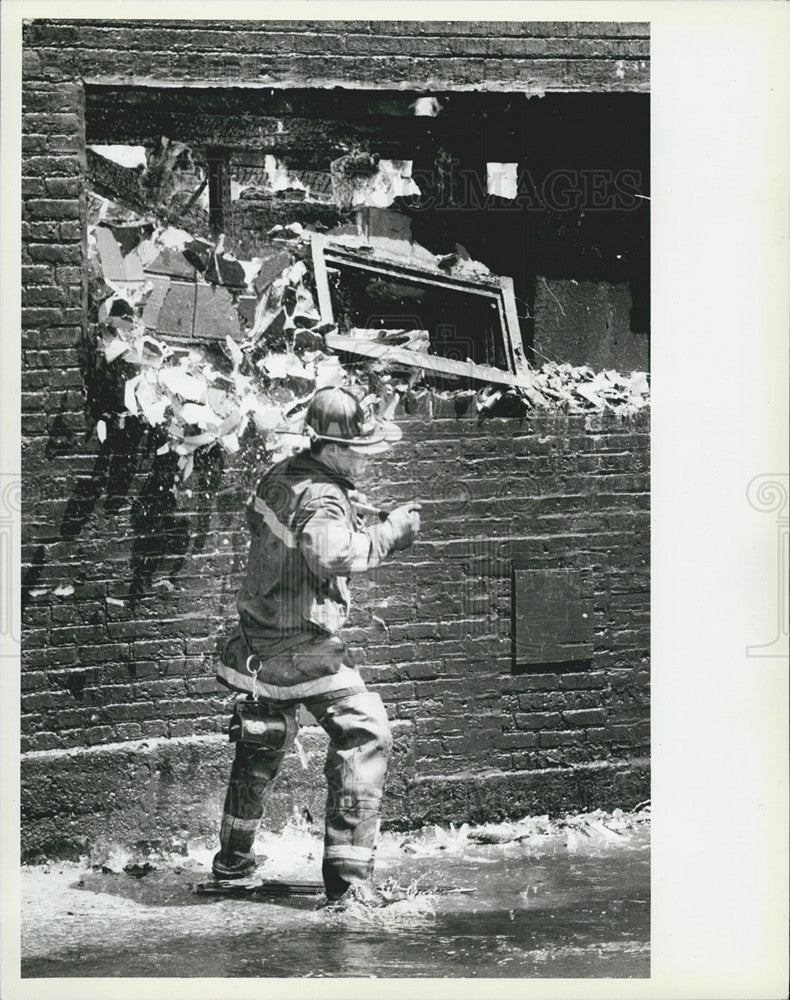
column 211, row 345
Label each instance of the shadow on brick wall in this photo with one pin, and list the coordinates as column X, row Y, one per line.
column 163, row 534
column 128, row 474
column 111, row 476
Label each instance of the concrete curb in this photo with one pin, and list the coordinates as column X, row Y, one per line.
column 80, row 802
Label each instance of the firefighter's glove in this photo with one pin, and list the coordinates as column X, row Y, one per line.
column 405, row 524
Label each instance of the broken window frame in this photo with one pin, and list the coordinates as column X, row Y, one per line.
column 498, row 288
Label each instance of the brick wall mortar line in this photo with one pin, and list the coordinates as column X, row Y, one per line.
column 152, row 743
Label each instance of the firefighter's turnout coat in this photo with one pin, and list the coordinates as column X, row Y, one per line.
column 307, row 540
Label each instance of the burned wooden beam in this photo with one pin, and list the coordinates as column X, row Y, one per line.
column 307, row 141
column 218, row 189
column 427, row 362
column 315, row 102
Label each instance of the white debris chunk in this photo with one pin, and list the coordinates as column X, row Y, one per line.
column 181, row 383
column 115, row 349
column 129, row 395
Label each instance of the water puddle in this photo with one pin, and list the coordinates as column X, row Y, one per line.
column 549, row 900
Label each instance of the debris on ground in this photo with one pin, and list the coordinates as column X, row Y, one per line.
column 502, row 833
column 139, row 871
column 600, row 828
column 109, row 862
column 595, row 828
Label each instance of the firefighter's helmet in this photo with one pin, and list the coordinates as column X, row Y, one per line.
column 335, row 415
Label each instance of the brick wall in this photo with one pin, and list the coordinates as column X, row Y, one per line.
column 151, row 567
column 125, row 580
column 126, row 658
column 487, row 55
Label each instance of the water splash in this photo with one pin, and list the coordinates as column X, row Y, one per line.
column 411, row 906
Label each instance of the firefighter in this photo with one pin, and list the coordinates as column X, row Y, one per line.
column 307, row 538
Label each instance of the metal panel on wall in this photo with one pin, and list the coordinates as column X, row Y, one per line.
column 552, row 618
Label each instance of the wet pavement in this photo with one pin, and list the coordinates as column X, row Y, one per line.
column 560, row 900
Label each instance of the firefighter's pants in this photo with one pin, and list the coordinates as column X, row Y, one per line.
column 356, row 768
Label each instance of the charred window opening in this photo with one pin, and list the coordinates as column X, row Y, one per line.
column 550, row 192
column 458, row 324
column 469, row 317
